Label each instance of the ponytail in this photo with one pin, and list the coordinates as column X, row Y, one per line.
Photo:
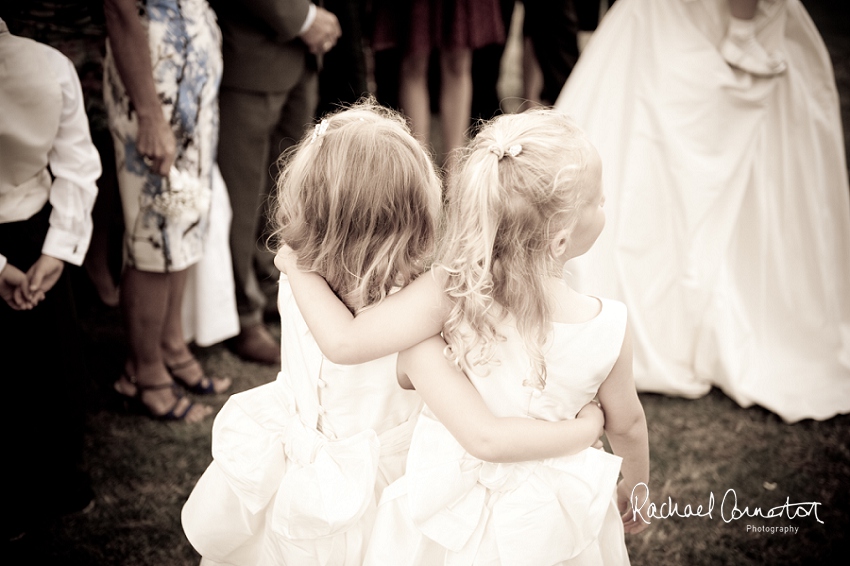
column 517, row 177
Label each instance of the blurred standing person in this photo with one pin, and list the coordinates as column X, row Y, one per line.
column 162, row 71
column 486, row 69
column 342, row 77
column 551, row 38
column 77, row 29
column 455, row 28
column 587, row 16
column 269, row 93
column 728, row 202
column 48, row 170
column 555, row 33
column 550, row 48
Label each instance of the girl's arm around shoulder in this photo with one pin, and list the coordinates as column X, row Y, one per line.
column 400, row 321
column 625, row 427
column 618, row 395
column 459, row 406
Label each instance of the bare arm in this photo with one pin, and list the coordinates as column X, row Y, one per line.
column 129, row 44
column 400, row 321
column 625, row 427
column 458, row 405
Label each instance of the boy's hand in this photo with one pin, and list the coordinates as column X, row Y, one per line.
column 285, row 259
column 42, row 276
column 12, row 280
column 593, row 412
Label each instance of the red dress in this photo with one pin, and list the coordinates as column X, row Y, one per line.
column 423, row 25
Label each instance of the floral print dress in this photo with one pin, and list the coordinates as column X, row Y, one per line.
column 166, row 218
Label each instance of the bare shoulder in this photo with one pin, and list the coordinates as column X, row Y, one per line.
column 571, row 307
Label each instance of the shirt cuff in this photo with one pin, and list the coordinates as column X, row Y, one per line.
column 66, row 246
column 311, row 17
column 2, row 262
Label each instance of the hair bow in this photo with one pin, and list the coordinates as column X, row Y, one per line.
column 497, row 150
column 319, row 130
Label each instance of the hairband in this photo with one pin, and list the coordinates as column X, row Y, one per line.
column 319, row 130
column 497, row 150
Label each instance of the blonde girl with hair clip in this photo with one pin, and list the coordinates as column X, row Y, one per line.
column 300, row 463
column 525, row 199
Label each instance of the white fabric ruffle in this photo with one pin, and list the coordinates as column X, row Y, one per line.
column 268, row 462
column 529, row 513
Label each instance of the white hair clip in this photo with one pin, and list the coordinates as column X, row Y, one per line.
column 497, row 150
column 319, row 130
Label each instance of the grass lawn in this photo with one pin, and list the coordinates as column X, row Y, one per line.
column 143, row 471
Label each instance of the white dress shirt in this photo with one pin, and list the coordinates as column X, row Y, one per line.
column 73, row 160
column 311, row 17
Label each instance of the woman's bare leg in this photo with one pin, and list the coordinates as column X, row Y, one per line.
column 532, row 76
column 175, row 351
column 145, row 297
column 455, row 98
column 413, row 93
column 97, row 258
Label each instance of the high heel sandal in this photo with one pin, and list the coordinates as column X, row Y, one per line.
column 139, row 406
column 204, row 386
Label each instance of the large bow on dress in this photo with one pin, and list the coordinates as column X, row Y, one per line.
column 540, row 512
column 320, row 487
column 276, row 465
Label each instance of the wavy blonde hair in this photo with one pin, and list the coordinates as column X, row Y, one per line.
column 358, row 202
column 503, row 210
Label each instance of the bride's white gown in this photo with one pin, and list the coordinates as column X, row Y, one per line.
column 728, row 231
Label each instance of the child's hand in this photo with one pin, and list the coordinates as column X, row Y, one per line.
column 42, row 276
column 633, row 523
column 12, row 280
column 593, row 412
column 286, row 260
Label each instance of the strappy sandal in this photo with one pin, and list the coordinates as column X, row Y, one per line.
column 204, row 386
column 140, row 406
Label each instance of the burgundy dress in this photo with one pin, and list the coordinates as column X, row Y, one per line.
column 423, row 25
